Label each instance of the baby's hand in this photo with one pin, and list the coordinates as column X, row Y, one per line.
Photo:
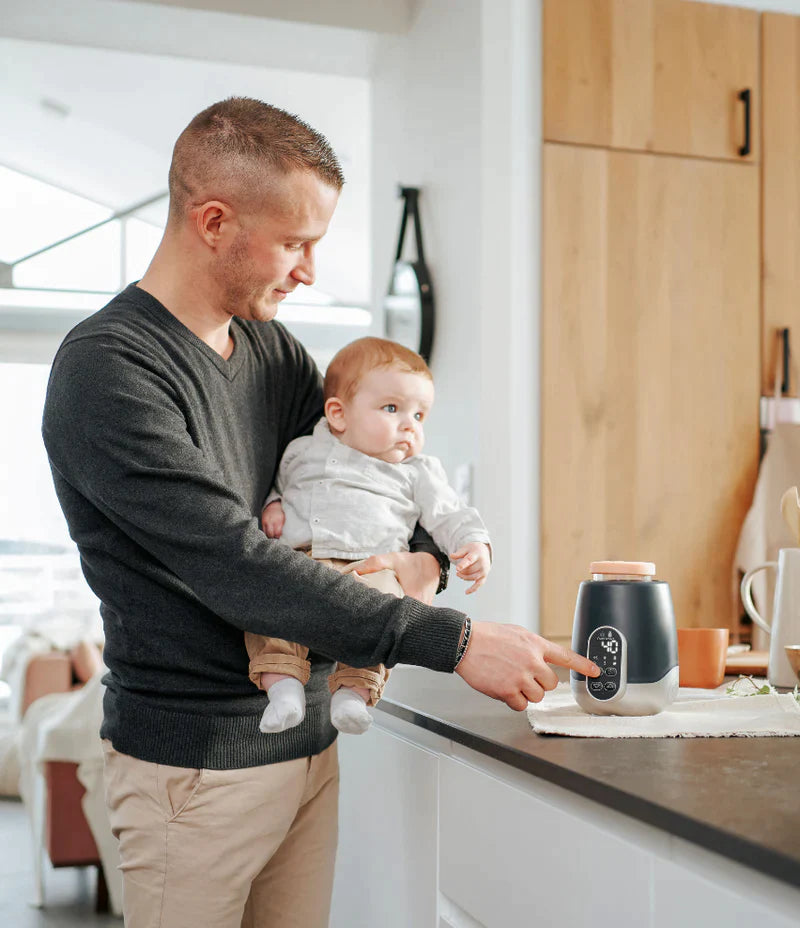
column 272, row 519
column 473, row 563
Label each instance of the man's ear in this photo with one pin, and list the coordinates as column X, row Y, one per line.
column 214, row 222
column 334, row 413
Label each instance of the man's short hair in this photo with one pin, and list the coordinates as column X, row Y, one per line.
column 350, row 364
column 234, row 150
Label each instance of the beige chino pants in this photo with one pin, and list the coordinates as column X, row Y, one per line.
column 249, row 848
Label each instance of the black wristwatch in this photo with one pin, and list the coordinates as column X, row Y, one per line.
column 444, row 573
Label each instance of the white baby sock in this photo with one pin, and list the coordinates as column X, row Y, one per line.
column 287, row 706
column 349, row 712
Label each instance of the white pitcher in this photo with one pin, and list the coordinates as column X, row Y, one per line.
column 785, row 613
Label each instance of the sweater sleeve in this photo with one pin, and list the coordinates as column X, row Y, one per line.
column 117, row 436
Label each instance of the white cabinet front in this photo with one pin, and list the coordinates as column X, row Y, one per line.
column 386, row 862
column 512, row 860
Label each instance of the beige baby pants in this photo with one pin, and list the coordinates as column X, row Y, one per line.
column 274, row 655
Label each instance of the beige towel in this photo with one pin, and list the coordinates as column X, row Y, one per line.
column 695, row 714
column 763, row 532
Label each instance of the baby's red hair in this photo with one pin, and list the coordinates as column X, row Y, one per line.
column 349, row 365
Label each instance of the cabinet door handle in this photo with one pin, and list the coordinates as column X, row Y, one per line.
column 744, row 96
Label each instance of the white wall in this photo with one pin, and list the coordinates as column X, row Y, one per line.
column 508, row 471
column 448, row 117
column 426, row 133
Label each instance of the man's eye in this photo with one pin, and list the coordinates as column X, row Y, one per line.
column 294, row 246
column 390, row 407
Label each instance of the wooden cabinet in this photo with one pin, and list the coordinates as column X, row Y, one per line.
column 651, row 75
column 650, row 372
column 780, row 189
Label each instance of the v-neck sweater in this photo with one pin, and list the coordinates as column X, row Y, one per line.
column 162, row 453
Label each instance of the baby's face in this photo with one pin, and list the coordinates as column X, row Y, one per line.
column 384, row 417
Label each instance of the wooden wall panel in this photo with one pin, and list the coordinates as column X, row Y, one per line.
column 705, row 55
column 650, row 377
column 650, row 75
column 780, row 190
column 574, row 326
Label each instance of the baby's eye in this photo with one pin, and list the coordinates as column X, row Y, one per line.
column 390, row 407
column 419, row 416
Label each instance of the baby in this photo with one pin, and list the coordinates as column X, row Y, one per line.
column 357, row 487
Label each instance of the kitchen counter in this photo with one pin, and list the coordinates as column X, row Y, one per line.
column 737, row 797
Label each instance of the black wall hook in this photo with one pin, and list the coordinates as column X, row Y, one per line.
column 786, row 351
column 410, row 196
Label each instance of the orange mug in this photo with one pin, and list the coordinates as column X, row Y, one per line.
column 702, row 653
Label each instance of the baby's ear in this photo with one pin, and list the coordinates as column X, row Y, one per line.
column 334, row 413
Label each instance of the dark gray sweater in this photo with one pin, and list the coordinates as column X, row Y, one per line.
column 162, row 453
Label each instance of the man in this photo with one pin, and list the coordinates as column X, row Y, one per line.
column 166, row 416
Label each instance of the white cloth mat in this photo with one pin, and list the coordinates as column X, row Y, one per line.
column 695, row 714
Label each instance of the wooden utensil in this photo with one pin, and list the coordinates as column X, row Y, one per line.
column 790, row 510
column 748, row 662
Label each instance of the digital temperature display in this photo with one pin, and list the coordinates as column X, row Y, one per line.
column 607, row 648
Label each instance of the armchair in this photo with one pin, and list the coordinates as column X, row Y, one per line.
column 66, row 837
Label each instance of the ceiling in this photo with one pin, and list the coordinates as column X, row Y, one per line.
column 102, row 123
column 213, row 30
column 94, row 93
column 119, row 77
column 371, row 15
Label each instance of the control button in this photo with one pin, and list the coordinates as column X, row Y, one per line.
column 595, row 685
column 611, row 686
column 611, row 671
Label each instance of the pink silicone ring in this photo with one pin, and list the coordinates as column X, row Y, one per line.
column 640, row 568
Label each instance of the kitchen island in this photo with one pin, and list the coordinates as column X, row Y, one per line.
column 473, row 820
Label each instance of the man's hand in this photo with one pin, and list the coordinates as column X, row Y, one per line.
column 417, row 572
column 273, row 519
column 473, row 562
column 511, row 664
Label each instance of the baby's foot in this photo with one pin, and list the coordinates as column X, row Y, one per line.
column 286, row 707
column 349, row 712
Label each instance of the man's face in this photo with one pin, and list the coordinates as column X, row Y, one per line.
column 384, row 417
column 273, row 251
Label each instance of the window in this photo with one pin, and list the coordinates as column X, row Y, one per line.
column 40, row 578
column 63, row 242
column 69, row 255
column 29, row 509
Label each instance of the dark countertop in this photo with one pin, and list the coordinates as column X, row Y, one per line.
column 738, row 797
